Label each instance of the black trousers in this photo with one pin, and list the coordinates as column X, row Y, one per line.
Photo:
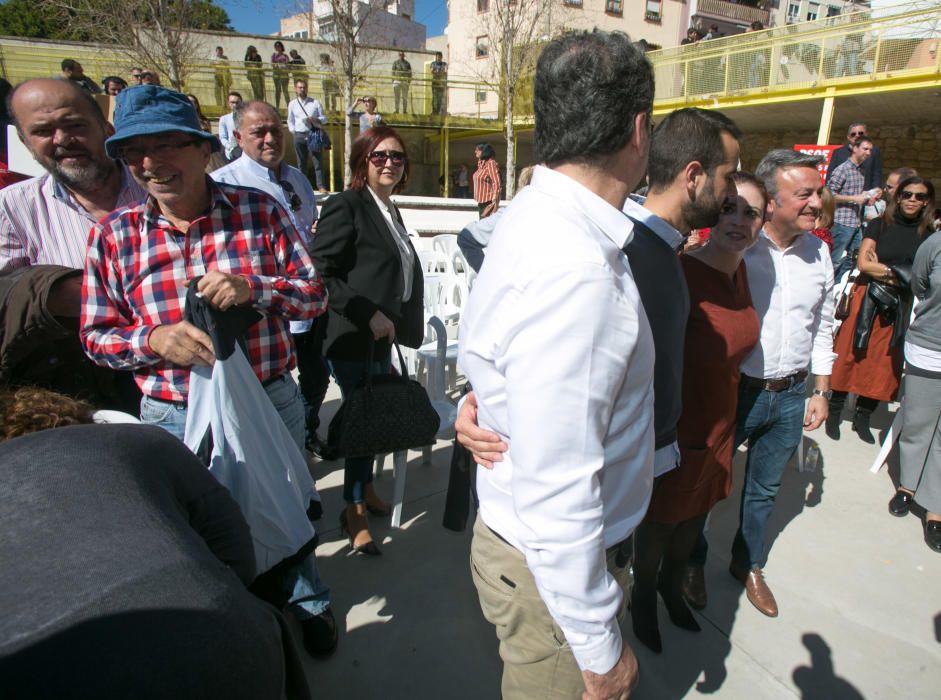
column 314, row 375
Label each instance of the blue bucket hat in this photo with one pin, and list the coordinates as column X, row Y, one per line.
column 146, row 110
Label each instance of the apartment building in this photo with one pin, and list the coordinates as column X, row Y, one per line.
column 472, row 49
column 388, row 23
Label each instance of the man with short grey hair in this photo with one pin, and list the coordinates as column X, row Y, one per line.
column 791, row 281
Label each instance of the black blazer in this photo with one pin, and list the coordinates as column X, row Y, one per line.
column 359, row 260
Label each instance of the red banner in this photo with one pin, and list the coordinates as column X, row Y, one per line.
column 817, row 150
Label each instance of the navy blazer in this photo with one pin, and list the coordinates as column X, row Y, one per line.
column 354, row 251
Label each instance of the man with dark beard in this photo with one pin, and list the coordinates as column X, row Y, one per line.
column 46, row 220
column 693, row 153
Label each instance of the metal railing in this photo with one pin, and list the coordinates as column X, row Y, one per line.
column 721, row 9
column 864, row 51
column 211, row 82
column 861, row 48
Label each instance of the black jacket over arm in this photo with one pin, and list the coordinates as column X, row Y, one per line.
column 359, row 260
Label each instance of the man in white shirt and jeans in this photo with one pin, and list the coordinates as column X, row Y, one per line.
column 790, row 276
column 565, row 329
column 305, row 113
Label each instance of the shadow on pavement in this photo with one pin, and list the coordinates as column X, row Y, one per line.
column 818, row 681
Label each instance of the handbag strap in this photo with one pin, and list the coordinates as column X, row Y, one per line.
column 369, row 361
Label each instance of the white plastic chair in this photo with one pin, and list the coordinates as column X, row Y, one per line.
column 462, row 268
column 433, row 262
column 447, row 413
column 891, row 436
column 439, row 298
column 446, row 243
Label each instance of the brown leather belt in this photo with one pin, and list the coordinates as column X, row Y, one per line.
column 782, row 384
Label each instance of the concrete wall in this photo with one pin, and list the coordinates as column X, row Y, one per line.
column 912, row 145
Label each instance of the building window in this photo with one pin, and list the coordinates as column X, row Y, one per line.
column 572, row 3
column 614, row 7
column 480, row 96
column 793, row 12
column 833, row 11
column 654, row 10
column 813, row 10
column 482, row 45
column 483, row 5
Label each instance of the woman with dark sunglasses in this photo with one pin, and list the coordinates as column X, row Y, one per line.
column 869, row 342
column 363, row 251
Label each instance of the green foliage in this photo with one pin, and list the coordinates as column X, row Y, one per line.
column 39, row 20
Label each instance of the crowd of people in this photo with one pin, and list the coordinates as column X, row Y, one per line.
column 132, row 281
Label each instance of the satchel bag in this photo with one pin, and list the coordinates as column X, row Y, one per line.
column 387, row 413
column 317, row 140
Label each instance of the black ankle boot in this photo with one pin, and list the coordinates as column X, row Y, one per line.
column 644, row 619
column 832, row 426
column 672, row 594
column 861, row 427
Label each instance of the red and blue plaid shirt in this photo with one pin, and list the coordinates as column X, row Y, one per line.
column 138, row 264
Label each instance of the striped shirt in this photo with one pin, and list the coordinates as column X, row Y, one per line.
column 138, row 264
column 847, row 180
column 41, row 223
column 487, row 181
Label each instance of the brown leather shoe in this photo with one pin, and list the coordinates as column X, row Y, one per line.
column 694, row 587
column 756, row 590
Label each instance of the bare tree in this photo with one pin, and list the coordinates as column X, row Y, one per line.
column 516, row 31
column 151, row 33
column 344, row 29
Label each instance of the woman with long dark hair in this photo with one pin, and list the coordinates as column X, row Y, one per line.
column 869, row 343
column 363, row 252
column 255, row 73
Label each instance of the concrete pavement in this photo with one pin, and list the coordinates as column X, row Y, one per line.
column 858, row 591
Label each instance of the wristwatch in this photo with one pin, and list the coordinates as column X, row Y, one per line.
column 825, row 393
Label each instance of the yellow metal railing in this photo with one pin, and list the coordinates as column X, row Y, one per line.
column 859, row 49
column 210, row 82
column 888, row 49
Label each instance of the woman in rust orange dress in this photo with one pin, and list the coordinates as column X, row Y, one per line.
column 722, row 330
column 869, row 342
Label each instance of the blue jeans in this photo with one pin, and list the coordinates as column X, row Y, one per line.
column 357, row 471
column 845, row 239
column 773, row 423
column 308, row 592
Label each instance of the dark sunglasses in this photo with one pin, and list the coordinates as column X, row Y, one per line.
column 294, row 199
column 857, row 133
column 919, row 196
column 379, row 158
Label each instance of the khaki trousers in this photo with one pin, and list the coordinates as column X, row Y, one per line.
column 537, row 661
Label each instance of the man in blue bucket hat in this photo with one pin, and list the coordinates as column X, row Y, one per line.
column 242, row 245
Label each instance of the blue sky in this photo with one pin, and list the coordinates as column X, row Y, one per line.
column 257, row 17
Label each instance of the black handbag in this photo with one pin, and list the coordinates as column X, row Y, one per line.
column 386, row 413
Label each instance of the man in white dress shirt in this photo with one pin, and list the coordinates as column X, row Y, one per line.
column 230, row 145
column 560, row 353
column 306, row 113
column 260, row 135
column 791, row 280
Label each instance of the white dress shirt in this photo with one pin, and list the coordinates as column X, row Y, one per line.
column 298, row 112
column 248, row 173
column 230, row 146
column 667, row 457
column 792, row 291
column 557, row 345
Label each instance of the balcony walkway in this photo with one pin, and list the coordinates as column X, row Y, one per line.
column 858, row 592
